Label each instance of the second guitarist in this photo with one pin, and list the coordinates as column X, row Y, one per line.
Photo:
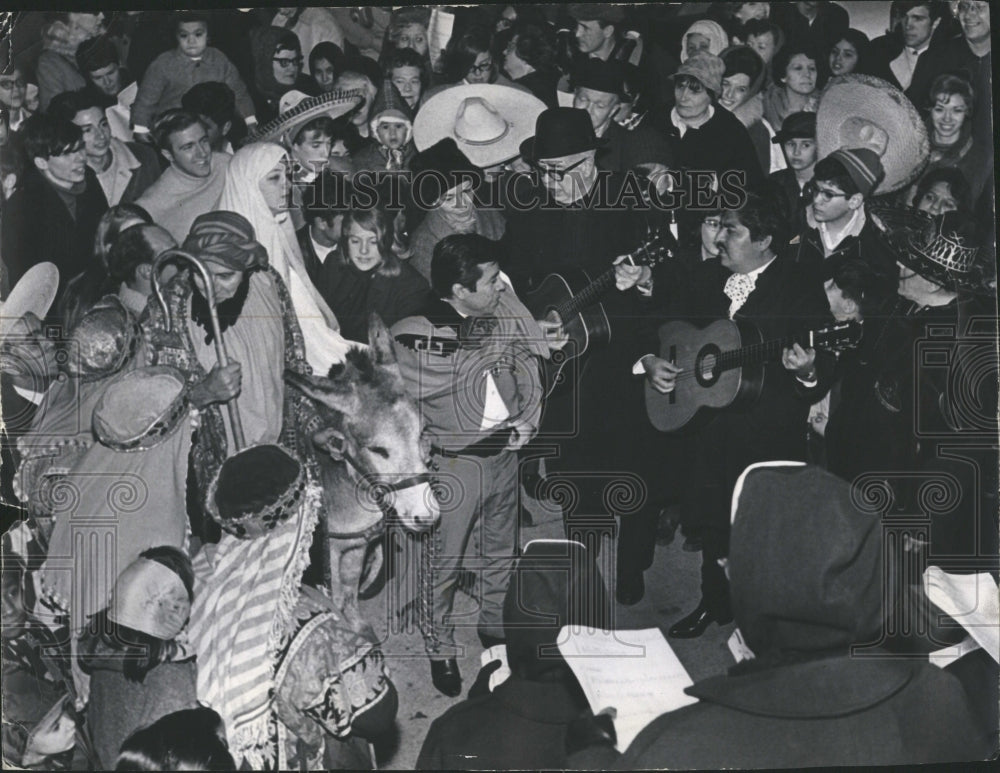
column 779, row 297
column 578, row 229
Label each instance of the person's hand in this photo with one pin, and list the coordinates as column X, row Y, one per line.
column 220, row 386
column 54, row 734
column 660, row 373
column 800, row 361
column 628, row 276
column 520, row 433
column 555, row 333
column 27, row 356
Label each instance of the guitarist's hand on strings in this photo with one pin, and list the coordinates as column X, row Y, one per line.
column 800, row 361
column 628, row 275
column 660, row 373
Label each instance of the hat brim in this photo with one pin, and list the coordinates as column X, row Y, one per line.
column 436, row 121
column 528, row 149
column 333, row 104
column 35, row 291
column 900, row 231
column 880, row 103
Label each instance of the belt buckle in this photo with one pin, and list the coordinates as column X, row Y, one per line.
column 429, row 345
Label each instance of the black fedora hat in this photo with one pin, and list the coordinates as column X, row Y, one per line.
column 446, row 158
column 561, row 131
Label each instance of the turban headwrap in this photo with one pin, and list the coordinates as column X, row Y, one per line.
column 226, row 238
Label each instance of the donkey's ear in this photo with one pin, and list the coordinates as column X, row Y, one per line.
column 324, row 391
column 380, row 341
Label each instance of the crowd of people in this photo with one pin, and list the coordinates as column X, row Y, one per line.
column 259, row 263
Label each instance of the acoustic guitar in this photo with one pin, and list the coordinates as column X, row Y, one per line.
column 573, row 300
column 723, row 365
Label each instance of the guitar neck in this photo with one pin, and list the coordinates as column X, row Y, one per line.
column 766, row 351
column 588, row 295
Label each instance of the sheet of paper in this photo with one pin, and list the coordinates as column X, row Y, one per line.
column 971, row 600
column 943, row 658
column 636, row 673
column 738, row 646
column 502, row 674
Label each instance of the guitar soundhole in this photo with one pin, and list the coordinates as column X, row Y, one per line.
column 705, row 367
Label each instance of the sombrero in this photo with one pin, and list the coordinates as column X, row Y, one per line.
column 297, row 109
column 34, row 292
column 141, row 408
column 944, row 248
column 487, row 121
column 860, row 111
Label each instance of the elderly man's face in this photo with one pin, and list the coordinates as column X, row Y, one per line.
column 225, row 281
column 567, row 177
column 600, row 106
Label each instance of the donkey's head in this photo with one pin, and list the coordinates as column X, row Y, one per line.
column 370, row 420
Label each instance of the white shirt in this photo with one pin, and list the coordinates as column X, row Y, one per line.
column 832, row 240
column 904, row 65
column 115, row 179
column 321, row 250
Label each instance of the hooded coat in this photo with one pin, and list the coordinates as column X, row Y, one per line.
column 807, row 579
column 266, row 91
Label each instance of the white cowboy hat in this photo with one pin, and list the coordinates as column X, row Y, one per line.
column 487, row 121
column 34, row 292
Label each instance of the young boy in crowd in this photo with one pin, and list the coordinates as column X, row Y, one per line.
column 171, row 74
column 797, row 138
column 391, row 124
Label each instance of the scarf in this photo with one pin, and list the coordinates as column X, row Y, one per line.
column 241, row 193
column 228, row 311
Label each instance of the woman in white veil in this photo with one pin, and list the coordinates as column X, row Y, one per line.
column 255, row 190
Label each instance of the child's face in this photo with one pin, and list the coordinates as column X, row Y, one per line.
column 312, row 149
column 392, row 134
column 192, row 38
column 800, row 152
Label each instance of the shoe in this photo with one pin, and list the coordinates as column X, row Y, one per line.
column 691, row 545
column 666, row 527
column 630, row 588
column 446, row 677
column 694, row 625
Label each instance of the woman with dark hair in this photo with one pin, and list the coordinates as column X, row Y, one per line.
column 277, row 68
column 138, row 673
column 851, row 53
column 323, row 61
column 742, row 81
column 191, row 739
column 405, row 68
column 943, row 190
column 364, row 275
column 529, row 59
column 949, row 127
column 796, row 83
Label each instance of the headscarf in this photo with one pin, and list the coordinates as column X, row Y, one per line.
column 263, row 44
column 717, row 37
column 226, row 238
column 241, row 194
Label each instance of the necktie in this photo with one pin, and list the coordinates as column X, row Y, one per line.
column 738, row 288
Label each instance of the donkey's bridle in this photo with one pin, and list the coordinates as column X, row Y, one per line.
column 378, row 491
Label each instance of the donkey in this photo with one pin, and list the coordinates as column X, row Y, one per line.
column 372, row 458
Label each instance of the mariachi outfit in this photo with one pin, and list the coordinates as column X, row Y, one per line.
column 471, row 376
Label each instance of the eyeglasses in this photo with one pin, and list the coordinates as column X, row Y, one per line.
column 558, row 174
column 282, row 61
column 481, row 69
column 973, row 9
column 713, row 222
column 12, row 83
column 813, row 191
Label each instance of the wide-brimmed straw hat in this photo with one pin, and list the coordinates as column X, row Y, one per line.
column 141, row 408
column 487, row 121
column 35, row 291
column 256, row 490
column 860, row 111
column 944, row 248
column 297, row 109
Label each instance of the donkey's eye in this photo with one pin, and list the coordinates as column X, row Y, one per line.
column 381, row 451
